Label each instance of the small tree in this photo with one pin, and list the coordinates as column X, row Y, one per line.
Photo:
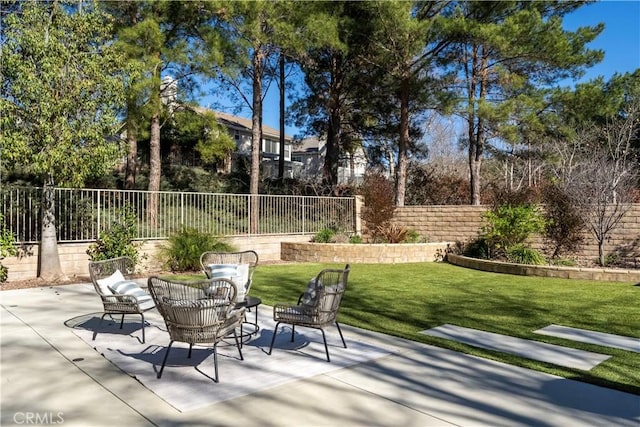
column 378, row 192
column 564, row 221
column 599, row 168
column 61, row 95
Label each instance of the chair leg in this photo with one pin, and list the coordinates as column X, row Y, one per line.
column 238, row 344
column 341, row 337
column 293, row 331
column 165, row 359
column 273, row 338
column 326, row 348
column 95, row 333
column 190, row 347
column 215, row 361
column 142, row 323
column 121, row 321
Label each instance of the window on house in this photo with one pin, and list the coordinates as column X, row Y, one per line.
column 270, row 146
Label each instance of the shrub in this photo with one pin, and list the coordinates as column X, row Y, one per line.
column 564, row 222
column 379, row 206
column 412, row 237
column 500, row 196
column 397, row 234
column 563, row 262
column 117, row 240
column 429, row 184
column 522, row 254
column 340, row 238
column 477, row 248
column 612, row 259
column 508, row 226
column 183, row 249
column 355, row 239
column 392, row 233
column 7, row 240
column 324, row 236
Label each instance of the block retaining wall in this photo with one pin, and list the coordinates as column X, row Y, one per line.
column 362, row 253
column 462, row 223
column 601, row 274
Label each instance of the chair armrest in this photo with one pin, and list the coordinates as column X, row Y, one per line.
column 292, row 313
column 113, row 299
column 121, row 298
column 237, row 313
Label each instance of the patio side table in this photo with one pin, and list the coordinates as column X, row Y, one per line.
column 250, row 302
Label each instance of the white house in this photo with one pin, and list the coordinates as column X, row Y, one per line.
column 308, row 159
column 240, row 129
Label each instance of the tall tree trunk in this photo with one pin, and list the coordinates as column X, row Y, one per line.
column 479, row 76
column 256, row 137
column 475, row 163
column 154, row 170
column 281, row 151
column 49, row 267
column 155, row 161
column 330, row 170
column 601, row 259
column 403, row 144
column 334, row 131
column 132, row 124
column 132, row 153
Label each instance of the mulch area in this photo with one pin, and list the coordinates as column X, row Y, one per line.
column 39, row 282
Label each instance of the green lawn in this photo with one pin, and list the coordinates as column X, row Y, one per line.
column 403, row 299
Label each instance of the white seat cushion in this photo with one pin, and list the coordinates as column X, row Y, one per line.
column 223, row 271
column 241, row 280
column 128, row 287
column 237, row 273
column 105, row 283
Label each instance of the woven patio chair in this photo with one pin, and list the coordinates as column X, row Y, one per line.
column 249, row 259
column 317, row 307
column 200, row 312
column 119, row 294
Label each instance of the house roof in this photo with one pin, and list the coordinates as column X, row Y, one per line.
column 240, row 123
column 308, row 145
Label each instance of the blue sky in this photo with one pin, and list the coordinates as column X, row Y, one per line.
column 620, row 40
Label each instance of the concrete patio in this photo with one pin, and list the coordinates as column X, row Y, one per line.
column 50, row 376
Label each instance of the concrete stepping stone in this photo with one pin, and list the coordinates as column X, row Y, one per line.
column 591, row 337
column 543, row 352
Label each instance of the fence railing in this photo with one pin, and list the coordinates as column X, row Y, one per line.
column 81, row 214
